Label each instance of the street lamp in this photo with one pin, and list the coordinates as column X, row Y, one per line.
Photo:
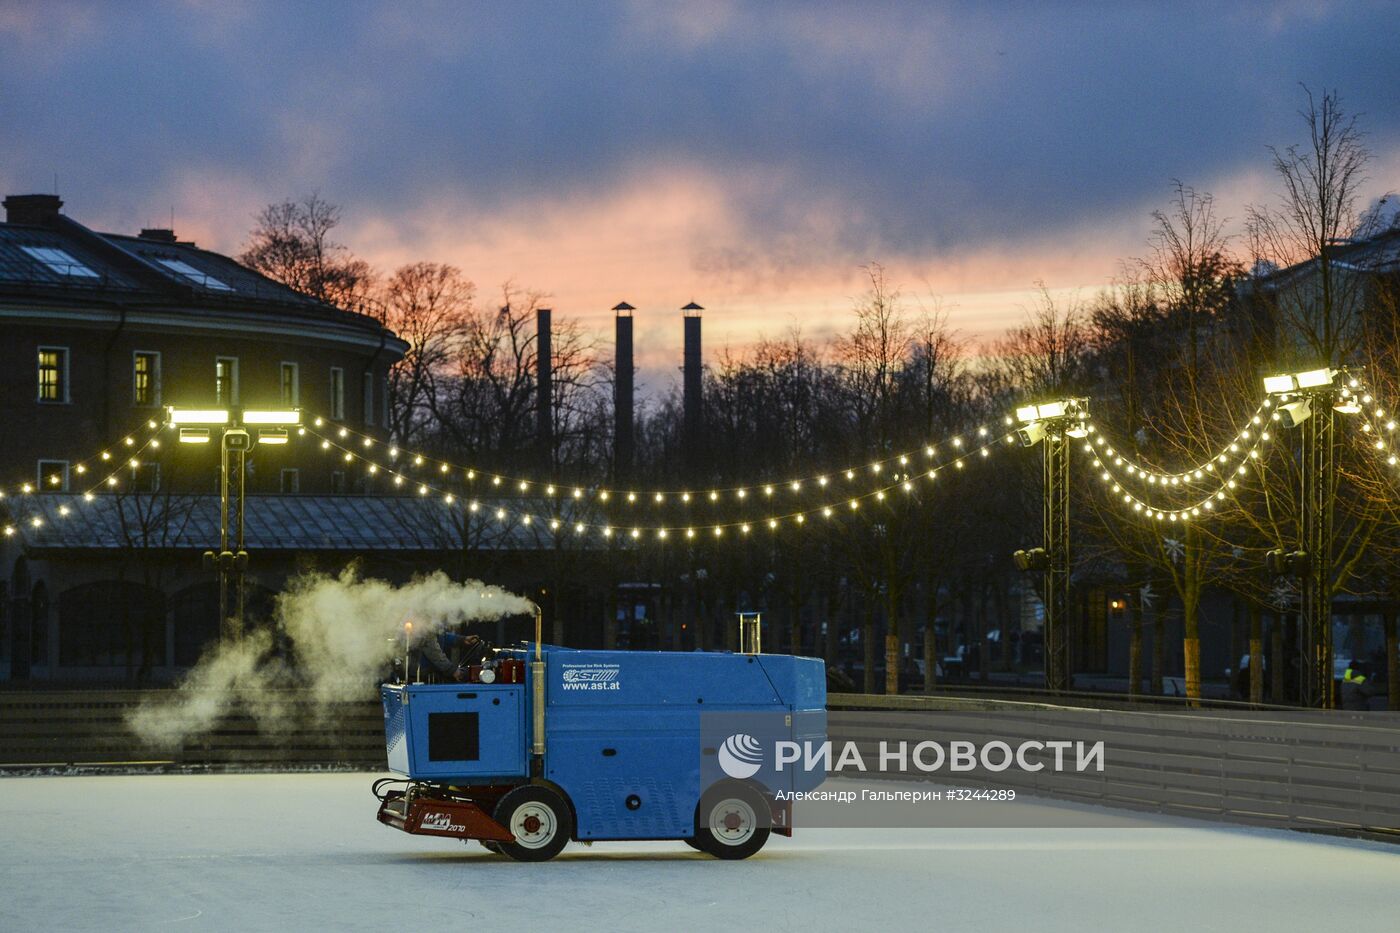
column 196, row 427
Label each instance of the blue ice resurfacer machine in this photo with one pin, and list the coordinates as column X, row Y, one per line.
column 542, row 745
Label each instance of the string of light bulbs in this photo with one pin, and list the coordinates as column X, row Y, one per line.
column 130, row 460
column 1127, row 469
column 920, row 458
column 556, row 521
column 1229, row 480
column 53, row 482
column 1377, row 423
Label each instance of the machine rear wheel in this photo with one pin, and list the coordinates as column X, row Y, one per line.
column 540, row 821
column 731, row 822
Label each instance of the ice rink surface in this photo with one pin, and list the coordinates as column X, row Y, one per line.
column 304, row 852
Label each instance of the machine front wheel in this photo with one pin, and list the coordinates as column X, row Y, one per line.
column 540, row 821
column 732, row 821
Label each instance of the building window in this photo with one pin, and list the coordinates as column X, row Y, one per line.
column 145, row 477
column 369, row 398
column 226, row 380
column 145, row 379
column 338, row 481
column 60, row 262
column 291, row 481
column 52, row 476
column 291, row 385
column 53, row 374
column 189, row 272
column 337, row 393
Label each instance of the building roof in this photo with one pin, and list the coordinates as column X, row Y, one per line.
column 1377, row 255
column 154, row 270
column 274, row 522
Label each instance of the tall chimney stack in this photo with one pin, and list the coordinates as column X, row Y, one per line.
column 544, row 366
column 623, row 394
column 691, row 386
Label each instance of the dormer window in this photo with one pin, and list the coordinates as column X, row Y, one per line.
column 60, row 262
column 187, row 271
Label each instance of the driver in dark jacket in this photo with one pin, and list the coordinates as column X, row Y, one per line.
column 429, row 659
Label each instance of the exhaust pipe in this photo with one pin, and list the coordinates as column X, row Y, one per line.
column 537, row 686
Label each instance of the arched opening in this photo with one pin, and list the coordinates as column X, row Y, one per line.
column 112, row 623
column 195, row 610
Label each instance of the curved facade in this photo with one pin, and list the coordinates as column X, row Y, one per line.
column 98, row 332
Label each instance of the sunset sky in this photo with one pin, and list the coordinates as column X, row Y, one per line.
column 751, row 157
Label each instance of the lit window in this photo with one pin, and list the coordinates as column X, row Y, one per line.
column 60, row 262
column 53, row 374
column 369, row 398
column 52, row 476
column 145, row 379
column 337, row 393
column 291, row 385
column 291, row 481
column 226, row 380
column 182, row 268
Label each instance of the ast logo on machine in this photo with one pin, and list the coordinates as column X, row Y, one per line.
column 591, row 677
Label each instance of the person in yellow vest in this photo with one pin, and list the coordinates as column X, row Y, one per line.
column 1354, row 696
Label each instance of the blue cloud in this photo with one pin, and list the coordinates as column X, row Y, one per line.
column 936, row 127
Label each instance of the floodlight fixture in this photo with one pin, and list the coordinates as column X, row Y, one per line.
column 272, row 436
column 280, row 417
column 1283, row 383
column 194, row 435
column 1315, row 378
column 198, row 415
column 1295, row 413
column 1031, row 434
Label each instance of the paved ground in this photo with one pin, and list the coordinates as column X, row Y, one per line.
column 303, row 852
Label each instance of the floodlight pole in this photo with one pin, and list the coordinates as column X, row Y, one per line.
column 233, row 476
column 1054, row 426
column 1319, row 496
column 231, row 560
column 1055, row 531
column 1319, row 392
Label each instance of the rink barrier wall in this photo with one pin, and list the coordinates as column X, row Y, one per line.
column 1259, row 768
column 1302, row 769
column 89, row 727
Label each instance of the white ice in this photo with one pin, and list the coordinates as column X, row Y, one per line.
column 304, row 852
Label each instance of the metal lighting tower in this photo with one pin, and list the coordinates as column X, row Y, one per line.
column 1053, row 425
column 1310, row 400
column 234, row 443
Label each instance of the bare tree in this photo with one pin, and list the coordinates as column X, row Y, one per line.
column 1317, row 306
column 430, row 306
column 291, row 243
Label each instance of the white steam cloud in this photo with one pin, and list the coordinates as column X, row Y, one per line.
column 339, row 635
